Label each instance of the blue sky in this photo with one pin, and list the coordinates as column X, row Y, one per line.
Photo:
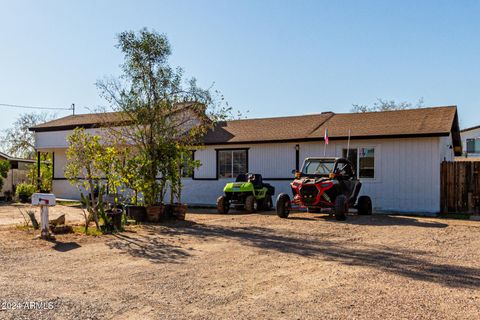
column 272, row 58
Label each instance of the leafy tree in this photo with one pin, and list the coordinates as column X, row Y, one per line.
column 4, row 168
column 46, row 172
column 18, row 140
column 164, row 112
column 387, row 105
column 87, row 163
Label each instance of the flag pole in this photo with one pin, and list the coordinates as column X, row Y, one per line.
column 325, row 142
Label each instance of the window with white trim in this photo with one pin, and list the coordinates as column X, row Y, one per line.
column 231, row 163
column 363, row 161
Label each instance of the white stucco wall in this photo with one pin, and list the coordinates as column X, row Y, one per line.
column 407, row 171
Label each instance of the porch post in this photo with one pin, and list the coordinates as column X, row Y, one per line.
column 38, row 170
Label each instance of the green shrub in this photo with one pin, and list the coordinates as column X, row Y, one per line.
column 25, row 190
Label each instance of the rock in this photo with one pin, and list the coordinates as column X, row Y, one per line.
column 59, row 221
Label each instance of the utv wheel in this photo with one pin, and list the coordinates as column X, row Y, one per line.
column 364, row 205
column 341, row 208
column 250, row 204
column 283, row 205
column 222, row 205
column 268, row 203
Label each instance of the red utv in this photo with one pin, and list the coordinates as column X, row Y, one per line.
column 325, row 183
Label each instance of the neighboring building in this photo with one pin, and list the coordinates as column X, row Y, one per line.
column 471, row 142
column 397, row 154
column 17, row 174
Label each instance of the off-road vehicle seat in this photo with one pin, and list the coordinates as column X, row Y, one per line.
column 256, row 180
column 242, row 177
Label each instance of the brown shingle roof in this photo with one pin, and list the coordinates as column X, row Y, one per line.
column 413, row 122
column 79, row 120
column 424, row 121
column 266, row 129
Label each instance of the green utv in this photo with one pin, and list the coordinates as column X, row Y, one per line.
column 248, row 192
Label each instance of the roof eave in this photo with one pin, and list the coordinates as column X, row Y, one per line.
column 396, row 136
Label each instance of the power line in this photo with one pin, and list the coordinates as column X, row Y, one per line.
column 34, row 107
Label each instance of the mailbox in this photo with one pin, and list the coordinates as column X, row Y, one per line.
column 43, row 199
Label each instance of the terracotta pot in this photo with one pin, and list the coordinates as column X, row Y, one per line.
column 179, row 211
column 155, row 213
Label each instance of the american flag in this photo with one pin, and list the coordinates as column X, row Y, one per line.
column 325, row 137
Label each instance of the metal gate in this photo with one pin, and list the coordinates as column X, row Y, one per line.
column 460, row 186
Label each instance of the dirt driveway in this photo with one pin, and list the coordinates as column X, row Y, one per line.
column 251, row 267
column 11, row 213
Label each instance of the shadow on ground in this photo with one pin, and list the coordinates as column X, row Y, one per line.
column 65, row 246
column 149, row 247
column 379, row 220
column 413, row 264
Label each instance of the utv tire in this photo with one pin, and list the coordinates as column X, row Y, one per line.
column 250, row 204
column 341, row 208
column 283, row 205
column 222, row 205
column 364, row 206
column 268, row 203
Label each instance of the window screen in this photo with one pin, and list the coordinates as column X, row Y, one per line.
column 231, row 163
column 363, row 161
column 366, row 162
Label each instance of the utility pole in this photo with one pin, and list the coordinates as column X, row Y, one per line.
column 73, row 108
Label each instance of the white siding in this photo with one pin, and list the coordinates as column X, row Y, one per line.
column 208, row 161
column 407, row 171
column 470, row 134
column 60, row 162
column 57, row 139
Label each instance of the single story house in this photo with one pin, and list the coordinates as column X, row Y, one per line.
column 471, row 142
column 396, row 154
column 17, row 174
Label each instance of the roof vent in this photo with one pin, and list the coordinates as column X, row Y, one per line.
column 327, row 112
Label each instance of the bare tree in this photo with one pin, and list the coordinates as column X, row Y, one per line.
column 18, row 140
column 387, row 105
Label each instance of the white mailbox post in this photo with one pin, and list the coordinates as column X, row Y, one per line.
column 44, row 200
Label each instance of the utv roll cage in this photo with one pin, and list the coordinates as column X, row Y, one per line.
column 342, row 168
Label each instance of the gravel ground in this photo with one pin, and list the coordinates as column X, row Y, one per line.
column 250, row 267
column 11, row 213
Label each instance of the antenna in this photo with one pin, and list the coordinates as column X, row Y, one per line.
column 73, row 108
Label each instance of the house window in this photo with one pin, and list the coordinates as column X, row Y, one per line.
column 352, row 157
column 231, row 163
column 363, row 161
column 473, row 145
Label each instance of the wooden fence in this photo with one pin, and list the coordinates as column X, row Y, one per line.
column 460, row 187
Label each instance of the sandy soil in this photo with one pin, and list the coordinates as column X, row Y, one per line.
column 250, row 267
column 11, row 213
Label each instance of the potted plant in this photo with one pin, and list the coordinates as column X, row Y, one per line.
column 131, row 179
column 177, row 210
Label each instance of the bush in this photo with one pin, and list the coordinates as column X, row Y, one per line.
column 24, row 191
